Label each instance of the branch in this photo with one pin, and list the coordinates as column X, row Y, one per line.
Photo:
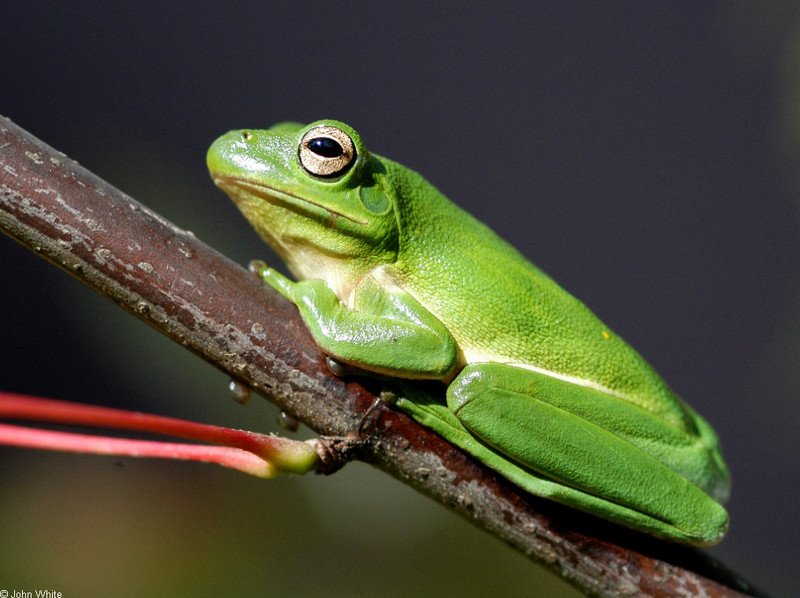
column 186, row 290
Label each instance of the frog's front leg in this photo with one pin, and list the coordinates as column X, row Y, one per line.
column 387, row 332
column 272, row 277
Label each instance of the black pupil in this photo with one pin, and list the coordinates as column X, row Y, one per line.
column 325, row 147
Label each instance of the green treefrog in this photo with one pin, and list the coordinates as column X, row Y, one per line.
column 397, row 280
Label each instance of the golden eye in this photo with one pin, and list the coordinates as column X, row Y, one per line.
column 326, row 151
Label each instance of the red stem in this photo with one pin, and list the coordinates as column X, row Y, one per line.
column 15, row 406
column 258, row 454
column 103, row 445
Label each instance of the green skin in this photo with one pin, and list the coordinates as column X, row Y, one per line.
column 397, row 280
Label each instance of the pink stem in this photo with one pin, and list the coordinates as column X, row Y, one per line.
column 259, row 454
column 104, row 445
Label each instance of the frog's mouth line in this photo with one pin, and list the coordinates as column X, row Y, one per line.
column 270, row 194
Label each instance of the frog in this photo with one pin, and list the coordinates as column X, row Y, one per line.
column 395, row 280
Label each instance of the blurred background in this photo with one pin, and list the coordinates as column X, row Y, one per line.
column 646, row 155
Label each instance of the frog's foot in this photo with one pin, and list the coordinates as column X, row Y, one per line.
column 338, row 368
column 256, row 267
column 370, row 417
column 272, row 277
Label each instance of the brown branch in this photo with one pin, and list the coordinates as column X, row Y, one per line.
column 183, row 288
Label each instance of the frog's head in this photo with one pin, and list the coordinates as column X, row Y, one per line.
column 314, row 194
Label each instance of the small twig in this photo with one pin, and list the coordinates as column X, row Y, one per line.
column 216, row 309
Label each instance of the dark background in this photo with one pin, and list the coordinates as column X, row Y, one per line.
column 644, row 154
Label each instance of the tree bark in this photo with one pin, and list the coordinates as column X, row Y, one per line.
column 215, row 308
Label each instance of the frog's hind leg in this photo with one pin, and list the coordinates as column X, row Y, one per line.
column 570, row 443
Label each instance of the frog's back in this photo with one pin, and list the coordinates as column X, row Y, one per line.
column 501, row 308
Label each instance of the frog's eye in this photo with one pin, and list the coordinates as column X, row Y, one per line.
column 326, row 151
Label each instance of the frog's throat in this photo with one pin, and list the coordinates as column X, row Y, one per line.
column 275, row 196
